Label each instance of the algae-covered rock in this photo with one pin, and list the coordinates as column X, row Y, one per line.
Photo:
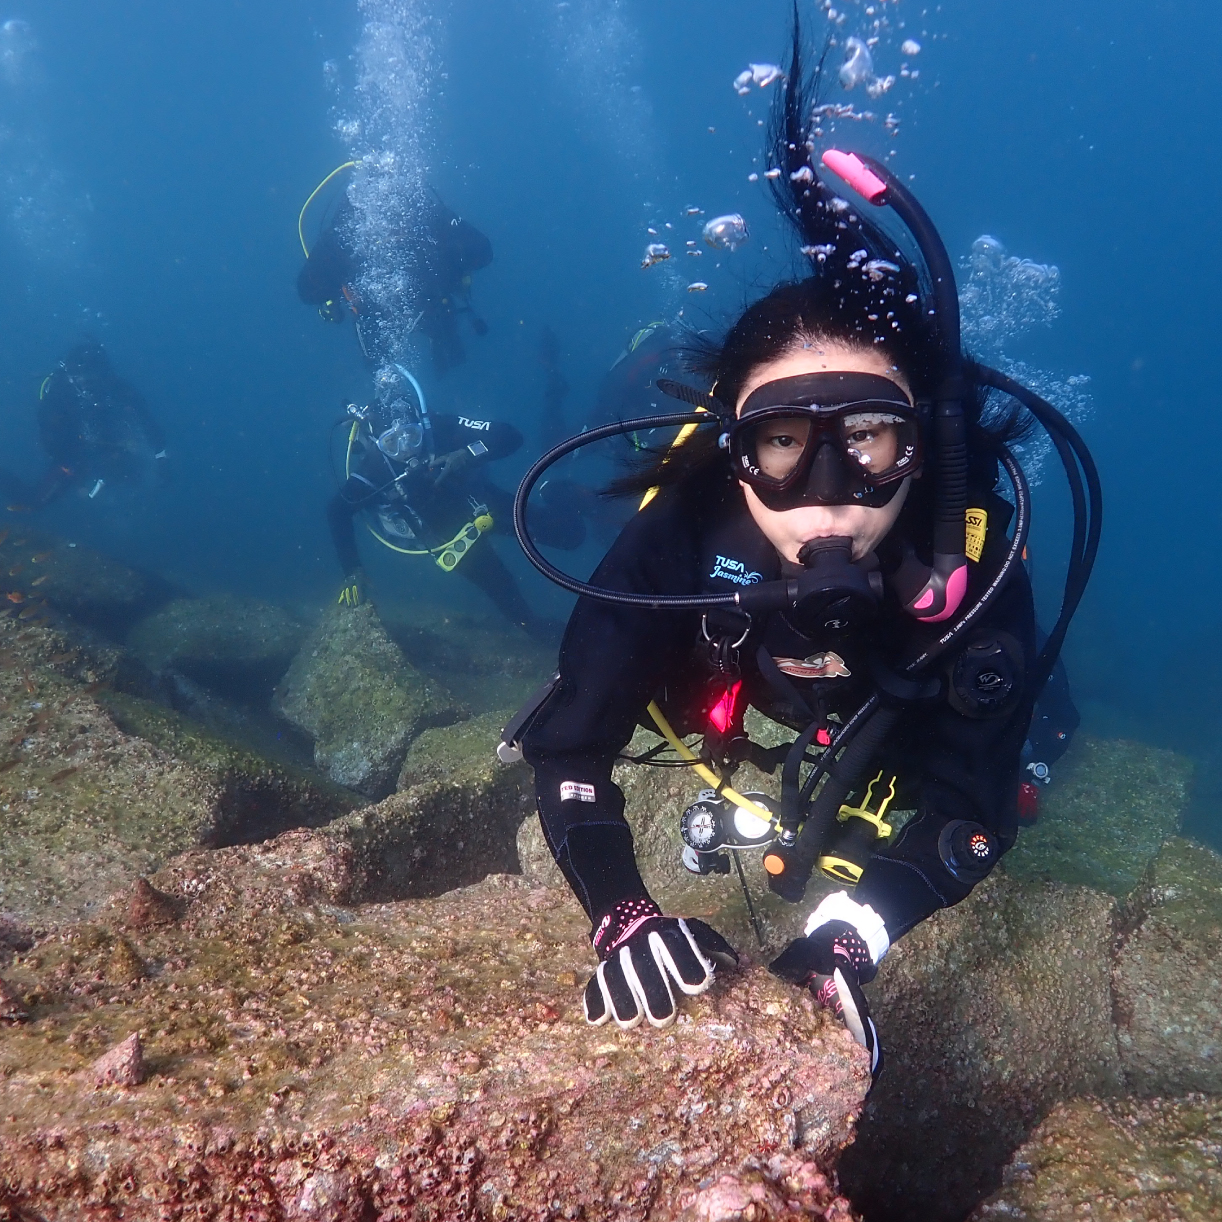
column 97, row 787
column 90, row 587
column 989, row 1013
column 455, row 818
column 1120, row 1161
column 239, row 645
column 1105, row 817
column 351, row 689
column 423, row 1059
column 1167, row 978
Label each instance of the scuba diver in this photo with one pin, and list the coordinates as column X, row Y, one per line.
column 95, row 427
column 826, row 540
column 630, row 387
column 450, row 251
column 418, row 481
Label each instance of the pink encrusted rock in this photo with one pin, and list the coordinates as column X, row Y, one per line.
column 123, row 1065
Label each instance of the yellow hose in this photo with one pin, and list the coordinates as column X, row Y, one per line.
column 702, row 770
column 301, row 215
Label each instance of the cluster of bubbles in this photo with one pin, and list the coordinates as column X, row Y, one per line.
column 386, row 127
column 1001, row 298
column 39, row 206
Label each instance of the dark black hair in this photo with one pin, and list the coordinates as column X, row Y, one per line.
column 863, row 291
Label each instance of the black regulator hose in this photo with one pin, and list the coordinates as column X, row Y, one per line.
column 582, row 588
column 861, row 737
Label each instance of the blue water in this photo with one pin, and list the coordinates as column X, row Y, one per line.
column 155, row 157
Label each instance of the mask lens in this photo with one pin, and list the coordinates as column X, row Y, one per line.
column 876, row 441
column 774, row 447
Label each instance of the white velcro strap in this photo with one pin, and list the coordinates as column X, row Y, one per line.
column 839, row 906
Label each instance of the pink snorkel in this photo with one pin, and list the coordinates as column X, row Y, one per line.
column 930, row 594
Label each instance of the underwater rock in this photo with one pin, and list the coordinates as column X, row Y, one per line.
column 99, row 788
column 455, row 819
column 351, row 689
column 239, row 646
column 90, row 587
column 426, row 1058
column 12, row 1009
column 1105, row 816
column 1126, row 1161
column 1167, row 978
column 15, row 936
column 123, row 1065
column 989, row 1013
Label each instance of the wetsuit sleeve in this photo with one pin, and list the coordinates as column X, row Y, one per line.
column 969, row 767
column 341, row 509
column 613, row 661
column 455, row 432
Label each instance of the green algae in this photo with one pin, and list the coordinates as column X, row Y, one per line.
column 1105, row 817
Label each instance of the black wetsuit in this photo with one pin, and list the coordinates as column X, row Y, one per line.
column 94, row 426
column 615, row 659
column 449, row 252
column 434, row 512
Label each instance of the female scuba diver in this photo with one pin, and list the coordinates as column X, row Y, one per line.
column 826, row 542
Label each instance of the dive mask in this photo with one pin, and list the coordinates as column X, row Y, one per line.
column 403, row 440
column 826, row 439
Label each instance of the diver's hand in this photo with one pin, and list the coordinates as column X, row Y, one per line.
column 445, row 465
column 844, row 943
column 354, row 590
column 644, row 954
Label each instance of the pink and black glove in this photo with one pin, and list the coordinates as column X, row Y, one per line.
column 644, row 955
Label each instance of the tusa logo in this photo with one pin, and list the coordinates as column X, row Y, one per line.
column 474, row 424
column 729, row 569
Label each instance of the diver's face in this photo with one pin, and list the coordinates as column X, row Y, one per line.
column 788, row 529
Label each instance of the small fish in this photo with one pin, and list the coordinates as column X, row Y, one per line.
column 42, row 557
column 39, row 580
column 3, row 536
column 19, row 542
column 15, row 596
column 16, row 569
column 66, row 656
column 17, row 508
column 91, row 688
column 9, row 764
column 30, row 610
column 63, row 774
column 28, row 683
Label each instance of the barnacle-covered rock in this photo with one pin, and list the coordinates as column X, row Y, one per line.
column 424, row 1058
column 1120, row 1160
column 351, row 689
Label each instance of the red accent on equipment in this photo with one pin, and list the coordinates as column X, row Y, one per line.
column 722, row 713
column 1028, row 803
column 824, row 738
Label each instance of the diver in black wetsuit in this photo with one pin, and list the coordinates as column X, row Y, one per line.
column 419, row 481
column 450, row 252
column 828, row 546
column 95, row 427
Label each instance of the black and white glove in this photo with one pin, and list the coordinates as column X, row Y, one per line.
column 644, row 954
column 845, row 942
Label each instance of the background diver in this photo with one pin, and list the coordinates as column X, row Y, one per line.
column 831, row 548
column 449, row 252
column 95, row 427
column 419, row 481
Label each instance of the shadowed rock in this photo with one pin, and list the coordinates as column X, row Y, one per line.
column 239, row 646
column 12, row 1009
